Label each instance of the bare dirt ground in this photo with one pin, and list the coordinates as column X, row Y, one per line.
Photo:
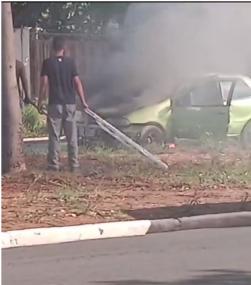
column 121, row 186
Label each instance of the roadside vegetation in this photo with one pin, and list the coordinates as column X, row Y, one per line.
column 33, row 122
column 121, row 185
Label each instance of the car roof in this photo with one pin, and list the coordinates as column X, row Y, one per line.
column 218, row 76
column 245, row 78
column 194, row 80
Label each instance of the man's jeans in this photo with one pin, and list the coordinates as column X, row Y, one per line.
column 62, row 116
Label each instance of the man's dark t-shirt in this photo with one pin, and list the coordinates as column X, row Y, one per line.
column 60, row 71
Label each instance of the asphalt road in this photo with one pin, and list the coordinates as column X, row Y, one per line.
column 201, row 257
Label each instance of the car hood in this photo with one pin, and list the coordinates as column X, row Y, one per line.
column 149, row 114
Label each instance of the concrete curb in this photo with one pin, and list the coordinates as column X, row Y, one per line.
column 39, row 140
column 40, row 236
column 227, row 220
column 54, row 235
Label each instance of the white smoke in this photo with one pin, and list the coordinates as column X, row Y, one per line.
column 163, row 44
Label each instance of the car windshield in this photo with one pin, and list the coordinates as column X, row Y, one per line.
column 247, row 80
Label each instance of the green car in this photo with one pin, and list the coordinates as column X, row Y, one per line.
column 217, row 105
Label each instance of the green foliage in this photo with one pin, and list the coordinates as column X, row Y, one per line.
column 34, row 123
column 75, row 198
column 84, row 17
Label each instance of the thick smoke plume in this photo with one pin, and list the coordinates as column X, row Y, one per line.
column 161, row 45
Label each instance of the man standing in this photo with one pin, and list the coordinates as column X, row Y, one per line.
column 59, row 76
column 22, row 83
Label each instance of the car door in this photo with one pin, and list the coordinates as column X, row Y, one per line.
column 240, row 107
column 200, row 111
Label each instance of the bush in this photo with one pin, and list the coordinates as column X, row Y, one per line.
column 34, row 123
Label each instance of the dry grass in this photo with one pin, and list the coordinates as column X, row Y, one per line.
column 113, row 185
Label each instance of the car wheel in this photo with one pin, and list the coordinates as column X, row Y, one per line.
column 152, row 135
column 246, row 136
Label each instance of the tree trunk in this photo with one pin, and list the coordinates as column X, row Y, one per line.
column 12, row 144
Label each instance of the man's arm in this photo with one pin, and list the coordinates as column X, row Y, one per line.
column 24, row 81
column 43, row 91
column 80, row 91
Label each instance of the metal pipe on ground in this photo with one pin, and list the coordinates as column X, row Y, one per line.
column 125, row 140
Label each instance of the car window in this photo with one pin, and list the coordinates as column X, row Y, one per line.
column 225, row 87
column 241, row 91
column 208, row 94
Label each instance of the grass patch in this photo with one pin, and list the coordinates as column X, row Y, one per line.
column 217, row 171
column 75, row 199
column 214, row 169
column 207, row 176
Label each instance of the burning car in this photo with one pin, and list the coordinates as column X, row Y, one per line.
column 219, row 105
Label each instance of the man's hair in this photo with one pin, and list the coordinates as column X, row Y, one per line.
column 58, row 43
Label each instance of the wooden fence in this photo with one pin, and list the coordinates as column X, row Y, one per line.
column 82, row 49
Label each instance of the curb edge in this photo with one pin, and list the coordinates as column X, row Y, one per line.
column 53, row 235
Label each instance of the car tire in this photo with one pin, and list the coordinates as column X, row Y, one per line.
column 152, row 134
column 246, row 136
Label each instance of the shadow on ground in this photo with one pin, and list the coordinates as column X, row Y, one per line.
column 188, row 210
column 211, row 277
